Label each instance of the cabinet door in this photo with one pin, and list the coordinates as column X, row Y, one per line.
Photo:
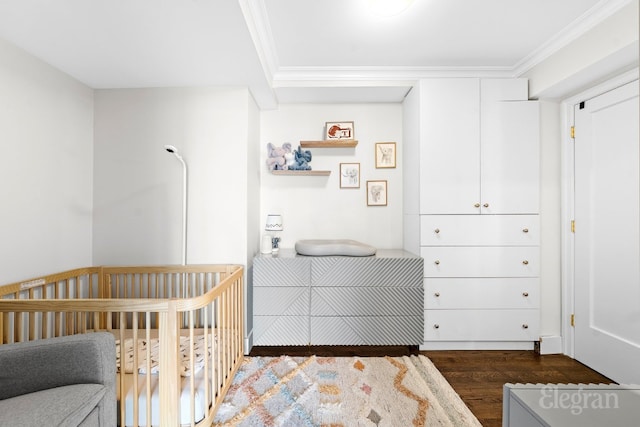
column 510, row 157
column 450, row 146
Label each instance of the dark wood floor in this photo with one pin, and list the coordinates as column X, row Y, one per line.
column 477, row 376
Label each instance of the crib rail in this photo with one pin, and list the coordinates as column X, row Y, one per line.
column 173, row 304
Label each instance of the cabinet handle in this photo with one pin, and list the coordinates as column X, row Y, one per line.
column 525, row 262
column 525, row 230
column 525, row 294
column 525, row 326
column 437, row 262
column 436, row 326
column 437, row 294
column 486, row 205
column 437, row 230
column 477, row 205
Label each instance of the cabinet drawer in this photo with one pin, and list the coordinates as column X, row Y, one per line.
column 494, row 261
column 280, row 330
column 479, row 230
column 286, row 301
column 482, row 325
column 479, row 293
column 367, row 330
column 346, row 301
column 274, row 271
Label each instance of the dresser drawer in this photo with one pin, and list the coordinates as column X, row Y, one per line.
column 494, row 261
column 360, row 301
column 479, row 293
column 479, row 230
column 280, row 330
column 285, row 301
column 482, row 325
column 367, row 330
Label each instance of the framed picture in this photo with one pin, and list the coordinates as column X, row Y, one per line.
column 339, row 130
column 376, row 193
column 385, row 155
column 349, row 175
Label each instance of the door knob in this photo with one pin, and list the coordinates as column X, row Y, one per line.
column 525, row 262
column 436, row 326
column 437, row 230
column 437, row 294
column 525, row 326
column 486, row 205
column 525, row 230
column 477, row 205
column 437, row 262
column 525, row 294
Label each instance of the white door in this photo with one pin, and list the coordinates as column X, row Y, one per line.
column 607, row 234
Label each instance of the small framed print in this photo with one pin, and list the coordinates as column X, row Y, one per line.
column 349, row 175
column 385, row 155
column 339, row 130
column 376, row 193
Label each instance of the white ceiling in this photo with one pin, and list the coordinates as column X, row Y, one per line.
column 293, row 50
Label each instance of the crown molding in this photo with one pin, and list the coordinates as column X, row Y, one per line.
column 588, row 20
column 255, row 15
column 257, row 20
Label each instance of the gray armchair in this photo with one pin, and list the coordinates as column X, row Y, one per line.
column 64, row 381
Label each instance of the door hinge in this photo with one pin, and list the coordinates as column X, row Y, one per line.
column 573, row 132
column 573, row 318
column 573, row 225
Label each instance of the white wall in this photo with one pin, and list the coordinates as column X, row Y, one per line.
column 138, row 185
column 315, row 207
column 550, row 231
column 46, row 126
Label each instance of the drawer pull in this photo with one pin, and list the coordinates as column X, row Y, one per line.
column 477, row 205
column 437, row 294
column 486, row 205
column 525, row 230
column 437, row 262
column 525, row 294
column 436, row 326
column 525, row 326
column 437, row 230
column 525, row 262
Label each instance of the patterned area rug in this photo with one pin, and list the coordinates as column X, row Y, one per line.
column 342, row 392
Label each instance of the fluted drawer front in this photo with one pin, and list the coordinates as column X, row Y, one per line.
column 281, row 330
column 508, row 261
column 367, row 272
column 285, row 301
column 479, row 230
column 482, row 325
column 477, row 293
column 346, row 301
column 268, row 271
column 367, row 330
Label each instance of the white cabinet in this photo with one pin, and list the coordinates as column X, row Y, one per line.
column 478, row 147
column 449, row 146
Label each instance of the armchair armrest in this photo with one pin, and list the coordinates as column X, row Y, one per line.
column 43, row 364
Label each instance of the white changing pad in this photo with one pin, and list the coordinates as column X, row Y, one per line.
column 328, row 247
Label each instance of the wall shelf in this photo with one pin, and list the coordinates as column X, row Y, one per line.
column 329, row 143
column 294, row 172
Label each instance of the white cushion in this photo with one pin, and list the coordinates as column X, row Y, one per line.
column 328, row 247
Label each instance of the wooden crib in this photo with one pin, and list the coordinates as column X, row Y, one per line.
column 172, row 313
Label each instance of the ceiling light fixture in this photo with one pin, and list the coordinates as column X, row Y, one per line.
column 389, row 7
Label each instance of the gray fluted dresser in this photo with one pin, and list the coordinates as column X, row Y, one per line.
column 338, row 300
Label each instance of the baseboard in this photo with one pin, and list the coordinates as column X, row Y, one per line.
column 477, row 345
column 248, row 343
column 550, row 344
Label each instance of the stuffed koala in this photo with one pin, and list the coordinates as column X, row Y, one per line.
column 276, row 156
column 302, row 159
